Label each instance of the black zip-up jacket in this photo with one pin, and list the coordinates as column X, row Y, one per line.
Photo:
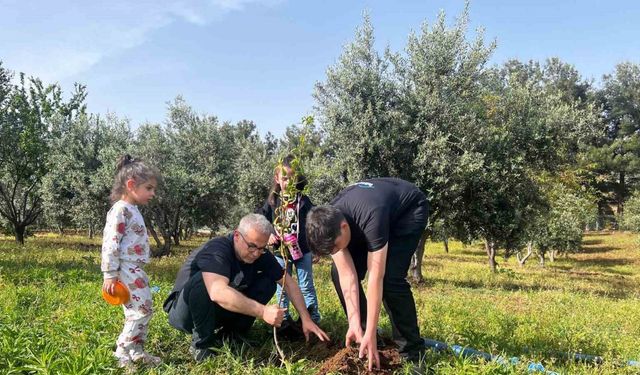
column 305, row 206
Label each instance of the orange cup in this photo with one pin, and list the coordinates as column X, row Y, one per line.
column 120, row 294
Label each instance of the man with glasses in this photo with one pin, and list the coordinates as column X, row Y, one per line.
column 224, row 285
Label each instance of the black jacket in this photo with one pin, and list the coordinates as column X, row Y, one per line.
column 305, row 206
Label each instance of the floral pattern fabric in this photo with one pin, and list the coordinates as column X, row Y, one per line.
column 125, row 250
column 124, row 239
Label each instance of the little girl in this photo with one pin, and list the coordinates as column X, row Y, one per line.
column 125, row 250
column 298, row 252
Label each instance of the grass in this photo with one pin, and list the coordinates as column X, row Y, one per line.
column 53, row 320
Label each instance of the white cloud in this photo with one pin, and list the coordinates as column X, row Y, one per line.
column 241, row 4
column 68, row 39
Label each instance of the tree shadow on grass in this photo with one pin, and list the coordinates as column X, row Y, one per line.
column 594, row 241
column 457, row 259
column 22, row 272
column 619, row 288
column 474, row 252
column 597, row 249
column 602, row 262
column 54, row 245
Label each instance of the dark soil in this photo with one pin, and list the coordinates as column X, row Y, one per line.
column 337, row 360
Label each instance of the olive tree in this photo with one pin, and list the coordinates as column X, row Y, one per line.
column 29, row 112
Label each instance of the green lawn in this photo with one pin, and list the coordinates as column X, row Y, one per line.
column 53, row 320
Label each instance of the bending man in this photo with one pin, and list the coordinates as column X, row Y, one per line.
column 373, row 226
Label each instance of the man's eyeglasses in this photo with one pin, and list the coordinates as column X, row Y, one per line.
column 251, row 246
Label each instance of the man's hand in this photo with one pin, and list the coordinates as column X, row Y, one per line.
column 273, row 315
column 109, row 285
column 310, row 327
column 354, row 335
column 368, row 347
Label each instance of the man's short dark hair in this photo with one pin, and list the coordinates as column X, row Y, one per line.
column 323, row 227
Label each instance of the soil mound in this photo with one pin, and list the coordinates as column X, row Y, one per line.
column 346, row 362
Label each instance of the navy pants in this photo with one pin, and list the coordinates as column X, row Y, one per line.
column 192, row 311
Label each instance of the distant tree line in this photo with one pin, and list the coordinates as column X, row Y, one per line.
column 523, row 156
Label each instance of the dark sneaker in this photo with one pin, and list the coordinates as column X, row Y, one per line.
column 415, row 356
column 201, row 355
column 290, row 330
column 237, row 339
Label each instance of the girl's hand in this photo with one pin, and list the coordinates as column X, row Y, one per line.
column 315, row 258
column 109, row 285
column 273, row 239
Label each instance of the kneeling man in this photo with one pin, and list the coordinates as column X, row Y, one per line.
column 224, row 285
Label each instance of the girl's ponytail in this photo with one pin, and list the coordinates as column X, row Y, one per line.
column 129, row 168
column 123, row 160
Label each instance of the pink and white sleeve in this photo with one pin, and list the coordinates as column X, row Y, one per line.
column 114, row 230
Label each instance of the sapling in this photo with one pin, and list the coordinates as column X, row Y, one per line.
column 282, row 220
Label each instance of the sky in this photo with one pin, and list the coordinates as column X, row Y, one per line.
column 260, row 59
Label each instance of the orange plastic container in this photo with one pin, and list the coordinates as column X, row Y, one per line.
column 120, row 294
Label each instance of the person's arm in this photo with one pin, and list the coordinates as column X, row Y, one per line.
column 295, row 295
column 110, row 256
column 230, row 299
column 376, row 263
column 349, row 285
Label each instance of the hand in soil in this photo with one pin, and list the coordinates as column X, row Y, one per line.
column 309, row 326
column 346, row 362
column 354, row 335
column 369, row 347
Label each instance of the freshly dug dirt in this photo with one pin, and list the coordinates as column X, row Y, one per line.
column 346, row 362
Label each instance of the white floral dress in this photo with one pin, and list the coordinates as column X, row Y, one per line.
column 125, row 250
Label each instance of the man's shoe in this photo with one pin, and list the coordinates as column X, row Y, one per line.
column 236, row 338
column 201, row 354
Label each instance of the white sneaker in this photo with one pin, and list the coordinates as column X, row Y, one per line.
column 124, row 360
column 146, row 358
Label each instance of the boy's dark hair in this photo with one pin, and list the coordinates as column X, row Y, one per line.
column 275, row 188
column 323, row 227
column 128, row 167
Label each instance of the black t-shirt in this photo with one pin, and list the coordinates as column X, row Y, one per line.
column 218, row 256
column 379, row 209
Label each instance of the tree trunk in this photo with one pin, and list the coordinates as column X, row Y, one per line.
column 621, row 194
column 552, row 255
column 166, row 248
column 446, row 245
column 490, row 247
column 523, row 260
column 541, row 257
column 175, row 230
column 19, row 233
column 416, row 260
column 154, row 234
column 91, row 230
